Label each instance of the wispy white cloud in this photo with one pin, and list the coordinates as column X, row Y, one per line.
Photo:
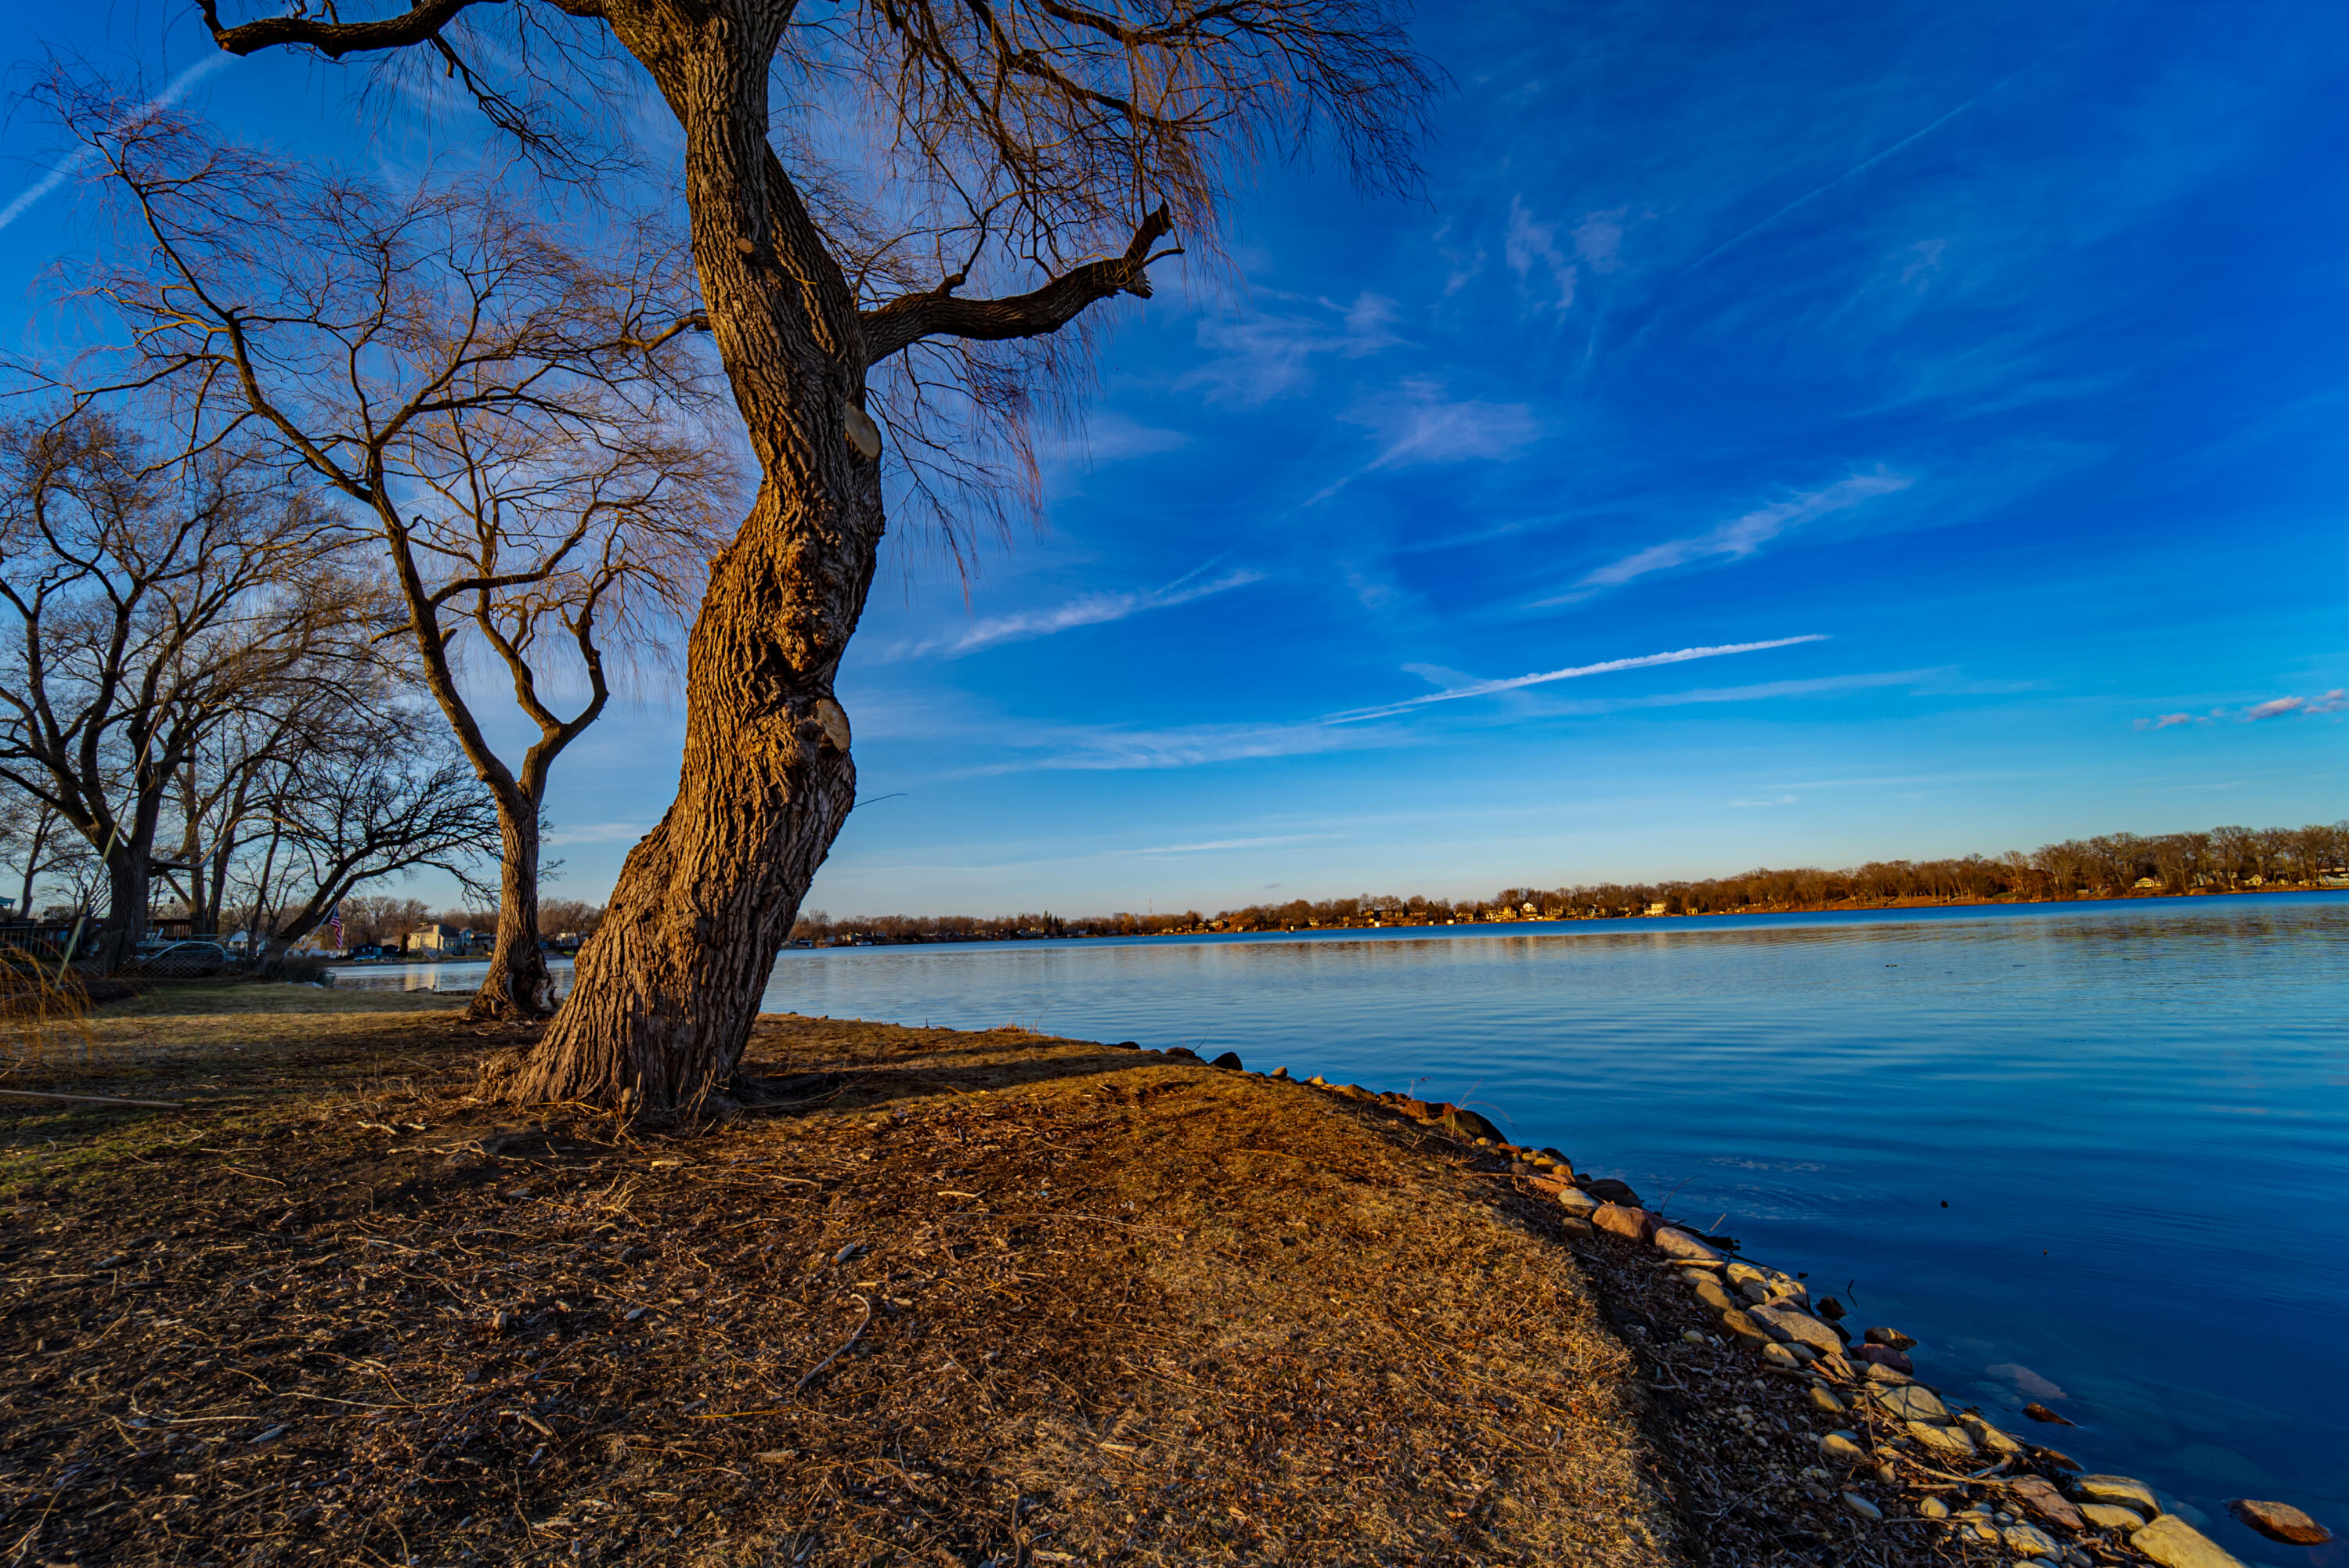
column 1530, row 247
column 1740, row 537
column 2335, row 701
column 1089, row 609
column 1420, row 425
column 1213, row 846
column 1113, row 436
column 1072, row 749
column 172, row 92
column 1109, row 748
column 1576, row 671
column 1760, row 691
column 1264, row 357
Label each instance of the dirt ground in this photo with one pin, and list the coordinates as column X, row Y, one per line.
column 960, row 1298
column 971, row 1298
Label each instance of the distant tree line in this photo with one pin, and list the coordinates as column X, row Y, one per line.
column 382, row 920
column 2111, row 866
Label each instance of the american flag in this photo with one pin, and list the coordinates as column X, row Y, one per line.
column 335, row 919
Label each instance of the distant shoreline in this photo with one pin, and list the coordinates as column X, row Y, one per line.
column 1890, row 906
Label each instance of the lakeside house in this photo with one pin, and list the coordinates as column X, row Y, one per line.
column 438, row 941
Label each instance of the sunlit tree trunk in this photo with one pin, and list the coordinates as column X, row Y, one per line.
column 666, row 990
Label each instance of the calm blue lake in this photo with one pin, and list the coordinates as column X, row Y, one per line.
column 2091, row 1154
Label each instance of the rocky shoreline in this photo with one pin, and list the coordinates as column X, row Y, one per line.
column 1795, row 1430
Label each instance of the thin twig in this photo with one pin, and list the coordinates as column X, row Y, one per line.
column 91, row 1098
column 816, row 1371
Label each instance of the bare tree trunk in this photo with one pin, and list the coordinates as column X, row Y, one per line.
column 125, row 921
column 667, row 989
column 518, row 983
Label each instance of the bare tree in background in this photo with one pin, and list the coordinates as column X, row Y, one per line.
column 512, row 407
column 285, row 811
column 30, row 831
column 1044, row 148
column 152, row 601
column 384, row 795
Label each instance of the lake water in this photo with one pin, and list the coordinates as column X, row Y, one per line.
column 2091, row 1154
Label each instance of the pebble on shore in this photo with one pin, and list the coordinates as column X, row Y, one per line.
column 2279, row 1521
column 2111, row 1516
column 2174, row 1544
column 2117, row 1488
column 1623, row 1220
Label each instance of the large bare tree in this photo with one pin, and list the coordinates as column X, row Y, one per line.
column 513, row 408
column 1047, row 149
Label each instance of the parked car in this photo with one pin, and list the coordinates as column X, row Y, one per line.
column 180, row 960
column 367, row 954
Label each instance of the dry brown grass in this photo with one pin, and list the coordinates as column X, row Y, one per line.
column 44, row 1013
column 1121, row 1308
column 954, row 1298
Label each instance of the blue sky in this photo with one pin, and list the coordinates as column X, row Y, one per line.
column 1976, row 371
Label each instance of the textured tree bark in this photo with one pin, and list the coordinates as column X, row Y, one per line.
column 666, row 990
column 126, row 923
column 518, row 983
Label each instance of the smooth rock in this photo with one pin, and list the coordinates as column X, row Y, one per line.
column 1861, row 1506
column 1756, row 1291
column 2117, row 1488
column 1280, row 1075
column 1932, row 1507
column 1883, row 1356
column 1708, row 1291
column 1799, row 1351
column 1183, row 1053
column 1638, row 1224
column 2279, row 1521
column 2039, row 1412
column 2040, row 1496
column 2174, row 1544
column 1822, row 1401
column 2111, row 1516
column 1691, row 1336
column 1577, row 1202
column 1681, row 1244
column 1739, row 1271
column 2029, row 1540
column 1581, row 1229
column 1791, row 1323
column 1910, row 1403
column 1943, row 1442
column 1892, row 1336
column 1468, row 1124
column 1988, row 1436
column 1842, row 1448
column 1317, row 1081
column 1228, row 1059
column 1977, row 1530
column 1778, row 1354
column 1745, row 1330
column 1885, row 1376
column 1608, row 1190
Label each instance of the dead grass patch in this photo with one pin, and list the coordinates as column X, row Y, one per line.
column 956, row 1298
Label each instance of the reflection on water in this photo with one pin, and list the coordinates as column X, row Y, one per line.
column 2137, row 1114
column 460, row 976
